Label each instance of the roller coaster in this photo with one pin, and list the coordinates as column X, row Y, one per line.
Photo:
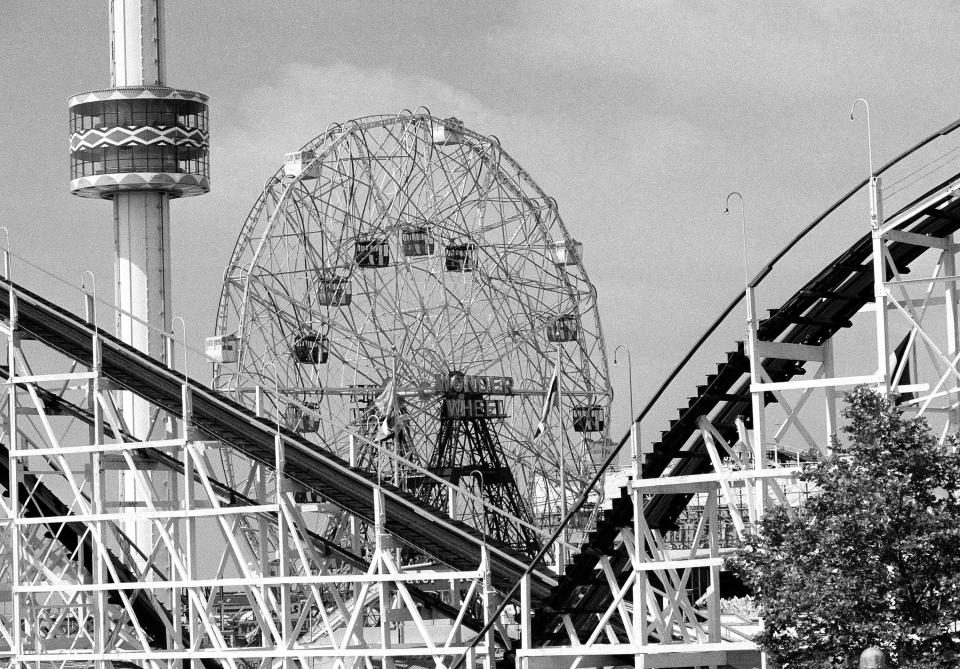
column 271, row 548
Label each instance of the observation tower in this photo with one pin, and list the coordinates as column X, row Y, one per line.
column 140, row 144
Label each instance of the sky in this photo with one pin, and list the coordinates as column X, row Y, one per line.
column 638, row 117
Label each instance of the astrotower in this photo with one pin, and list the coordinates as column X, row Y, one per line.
column 140, row 144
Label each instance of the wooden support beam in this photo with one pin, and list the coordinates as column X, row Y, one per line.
column 784, row 351
column 918, row 240
column 833, row 294
column 704, row 482
column 835, row 382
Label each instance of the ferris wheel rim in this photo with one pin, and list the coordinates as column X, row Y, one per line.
column 540, row 205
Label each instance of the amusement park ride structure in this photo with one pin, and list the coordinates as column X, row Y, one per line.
column 139, row 144
column 360, row 486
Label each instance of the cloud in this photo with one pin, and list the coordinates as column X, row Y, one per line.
column 705, row 47
column 251, row 136
column 251, row 133
column 602, row 172
column 661, row 57
column 306, row 98
column 595, row 165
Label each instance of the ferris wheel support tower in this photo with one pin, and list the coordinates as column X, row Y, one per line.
column 140, row 144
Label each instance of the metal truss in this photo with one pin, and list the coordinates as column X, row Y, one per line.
column 672, row 626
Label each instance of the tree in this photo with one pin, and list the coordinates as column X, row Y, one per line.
column 873, row 556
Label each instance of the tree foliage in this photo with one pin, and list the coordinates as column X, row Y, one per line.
column 873, row 557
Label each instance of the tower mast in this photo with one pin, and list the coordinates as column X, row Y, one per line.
column 141, row 218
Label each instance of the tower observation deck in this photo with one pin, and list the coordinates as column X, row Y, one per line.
column 139, row 139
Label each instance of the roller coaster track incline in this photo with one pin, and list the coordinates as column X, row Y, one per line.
column 812, row 315
column 44, row 503
column 429, row 530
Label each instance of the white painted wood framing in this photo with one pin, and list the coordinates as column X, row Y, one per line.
column 662, row 627
column 241, row 574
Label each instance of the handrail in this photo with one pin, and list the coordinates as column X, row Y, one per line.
column 114, row 308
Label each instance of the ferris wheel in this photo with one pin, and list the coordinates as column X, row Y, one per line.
column 408, row 286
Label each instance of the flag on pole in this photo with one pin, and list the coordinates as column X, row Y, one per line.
column 899, row 363
column 548, row 402
column 386, row 403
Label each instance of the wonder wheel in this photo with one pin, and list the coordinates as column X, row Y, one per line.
column 413, row 292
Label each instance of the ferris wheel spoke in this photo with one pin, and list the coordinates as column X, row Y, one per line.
column 362, row 342
column 376, row 194
column 454, row 180
column 375, row 351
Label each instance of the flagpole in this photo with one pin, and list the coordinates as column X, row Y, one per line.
column 396, row 424
column 562, row 546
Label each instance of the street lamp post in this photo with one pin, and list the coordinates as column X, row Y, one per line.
column 879, row 263
column 477, row 474
column 634, row 437
column 485, row 563
column 756, row 404
column 743, row 227
column 639, row 524
column 866, row 107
